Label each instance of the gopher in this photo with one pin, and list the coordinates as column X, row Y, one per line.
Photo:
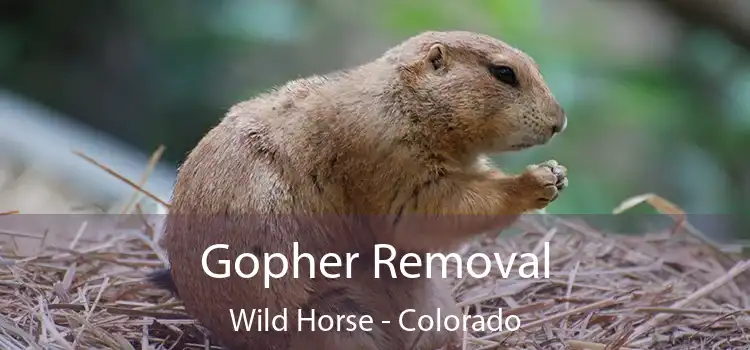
column 394, row 151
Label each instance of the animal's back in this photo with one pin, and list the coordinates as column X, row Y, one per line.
column 252, row 183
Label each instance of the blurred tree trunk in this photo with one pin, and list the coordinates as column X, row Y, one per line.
column 731, row 17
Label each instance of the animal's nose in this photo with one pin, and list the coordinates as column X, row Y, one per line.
column 560, row 126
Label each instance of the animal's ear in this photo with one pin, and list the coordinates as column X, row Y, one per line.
column 437, row 57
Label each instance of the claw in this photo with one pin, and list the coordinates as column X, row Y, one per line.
column 554, row 197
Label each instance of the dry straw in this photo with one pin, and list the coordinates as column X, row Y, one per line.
column 659, row 290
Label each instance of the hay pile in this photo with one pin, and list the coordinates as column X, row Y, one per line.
column 661, row 290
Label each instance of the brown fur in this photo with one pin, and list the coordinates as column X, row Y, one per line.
column 400, row 142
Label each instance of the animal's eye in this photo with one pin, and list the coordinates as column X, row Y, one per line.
column 504, row 74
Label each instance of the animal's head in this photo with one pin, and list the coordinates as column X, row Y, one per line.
column 492, row 94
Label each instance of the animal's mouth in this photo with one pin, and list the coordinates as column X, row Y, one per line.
column 530, row 142
column 521, row 146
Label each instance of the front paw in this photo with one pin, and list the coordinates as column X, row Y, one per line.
column 542, row 183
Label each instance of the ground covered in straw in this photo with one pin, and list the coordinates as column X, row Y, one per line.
column 661, row 290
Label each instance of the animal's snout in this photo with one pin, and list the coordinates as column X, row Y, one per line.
column 560, row 126
column 561, row 121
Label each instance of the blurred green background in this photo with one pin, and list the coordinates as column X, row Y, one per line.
column 657, row 92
